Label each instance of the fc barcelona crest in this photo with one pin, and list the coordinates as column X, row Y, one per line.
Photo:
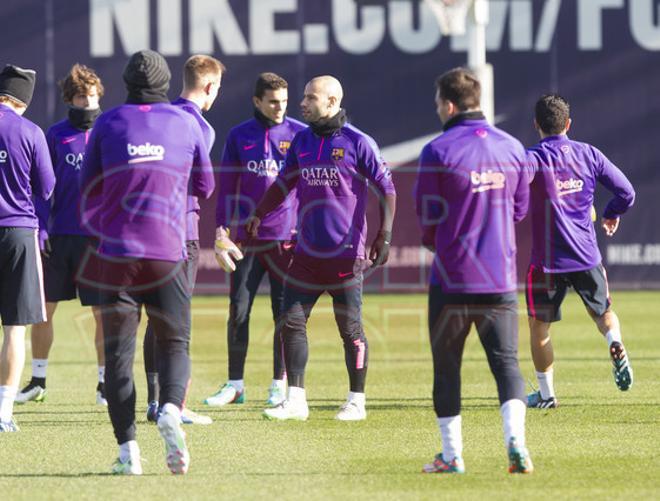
column 284, row 147
column 337, row 154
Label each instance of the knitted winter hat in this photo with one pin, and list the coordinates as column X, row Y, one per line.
column 17, row 83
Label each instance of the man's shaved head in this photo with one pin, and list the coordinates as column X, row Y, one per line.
column 322, row 99
column 328, row 85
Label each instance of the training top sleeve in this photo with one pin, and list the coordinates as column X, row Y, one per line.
column 229, row 175
column 428, row 202
column 42, row 175
column 92, row 166
column 531, row 165
column 521, row 195
column 41, row 206
column 373, row 165
column 202, row 180
column 610, row 176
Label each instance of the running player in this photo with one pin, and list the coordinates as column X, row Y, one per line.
column 254, row 155
column 25, row 169
column 139, row 161
column 202, row 77
column 332, row 165
column 471, row 189
column 64, row 241
column 564, row 247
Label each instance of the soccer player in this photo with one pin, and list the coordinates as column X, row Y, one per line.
column 471, row 189
column 564, row 247
column 139, row 161
column 25, row 169
column 64, row 240
column 333, row 166
column 202, row 78
column 253, row 157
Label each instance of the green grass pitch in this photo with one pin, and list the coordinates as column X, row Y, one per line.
column 599, row 443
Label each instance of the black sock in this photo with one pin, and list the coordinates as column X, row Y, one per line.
column 152, row 387
column 38, row 381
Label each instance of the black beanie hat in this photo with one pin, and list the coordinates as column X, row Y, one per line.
column 17, row 83
column 147, row 70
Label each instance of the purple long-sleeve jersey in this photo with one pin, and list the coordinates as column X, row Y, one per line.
column 253, row 157
column 25, row 169
column 192, row 216
column 139, row 160
column 333, row 176
column 471, row 189
column 60, row 216
column 565, row 174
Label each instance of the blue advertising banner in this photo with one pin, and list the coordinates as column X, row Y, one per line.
column 602, row 55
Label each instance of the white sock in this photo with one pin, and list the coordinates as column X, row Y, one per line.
column 101, row 373
column 129, row 450
column 613, row 336
column 172, row 410
column 237, row 383
column 513, row 421
column 39, row 366
column 297, row 394
column 546, row 384
column 452, row 437
column 358, row 398
column 7, row 396
column 278, row 383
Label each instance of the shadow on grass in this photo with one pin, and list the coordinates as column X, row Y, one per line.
column 89, row 474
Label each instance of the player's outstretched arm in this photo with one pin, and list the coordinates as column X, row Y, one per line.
column 275, row 195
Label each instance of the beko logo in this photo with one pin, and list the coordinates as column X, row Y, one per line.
column 3, row 156
column 568, row 186
column 145, row 152
column 484, row 181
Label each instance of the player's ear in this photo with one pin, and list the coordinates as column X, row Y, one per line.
column 255, row 101
column 207, row 88
column 568, row 124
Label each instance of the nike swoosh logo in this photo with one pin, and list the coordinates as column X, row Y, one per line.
column 344, row 275
column 304, row 154
column 68, row 140
column 249, row 147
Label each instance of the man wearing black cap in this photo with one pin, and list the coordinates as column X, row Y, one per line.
column 138, row 163
column 25, row 169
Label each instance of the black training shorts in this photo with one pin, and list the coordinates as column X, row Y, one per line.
column 546, row 291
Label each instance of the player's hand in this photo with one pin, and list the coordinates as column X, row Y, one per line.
column 252, row 226
column 380, row 249
column 46, row 248
column 226, row 251
column 610, row 225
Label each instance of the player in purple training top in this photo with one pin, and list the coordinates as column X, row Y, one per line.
column 253, row 157
column 65, row 242
column 139, row 162
column 25, row 170
column 471, row 189
column 333, row 166
column 564, row 247
column 202, row 78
